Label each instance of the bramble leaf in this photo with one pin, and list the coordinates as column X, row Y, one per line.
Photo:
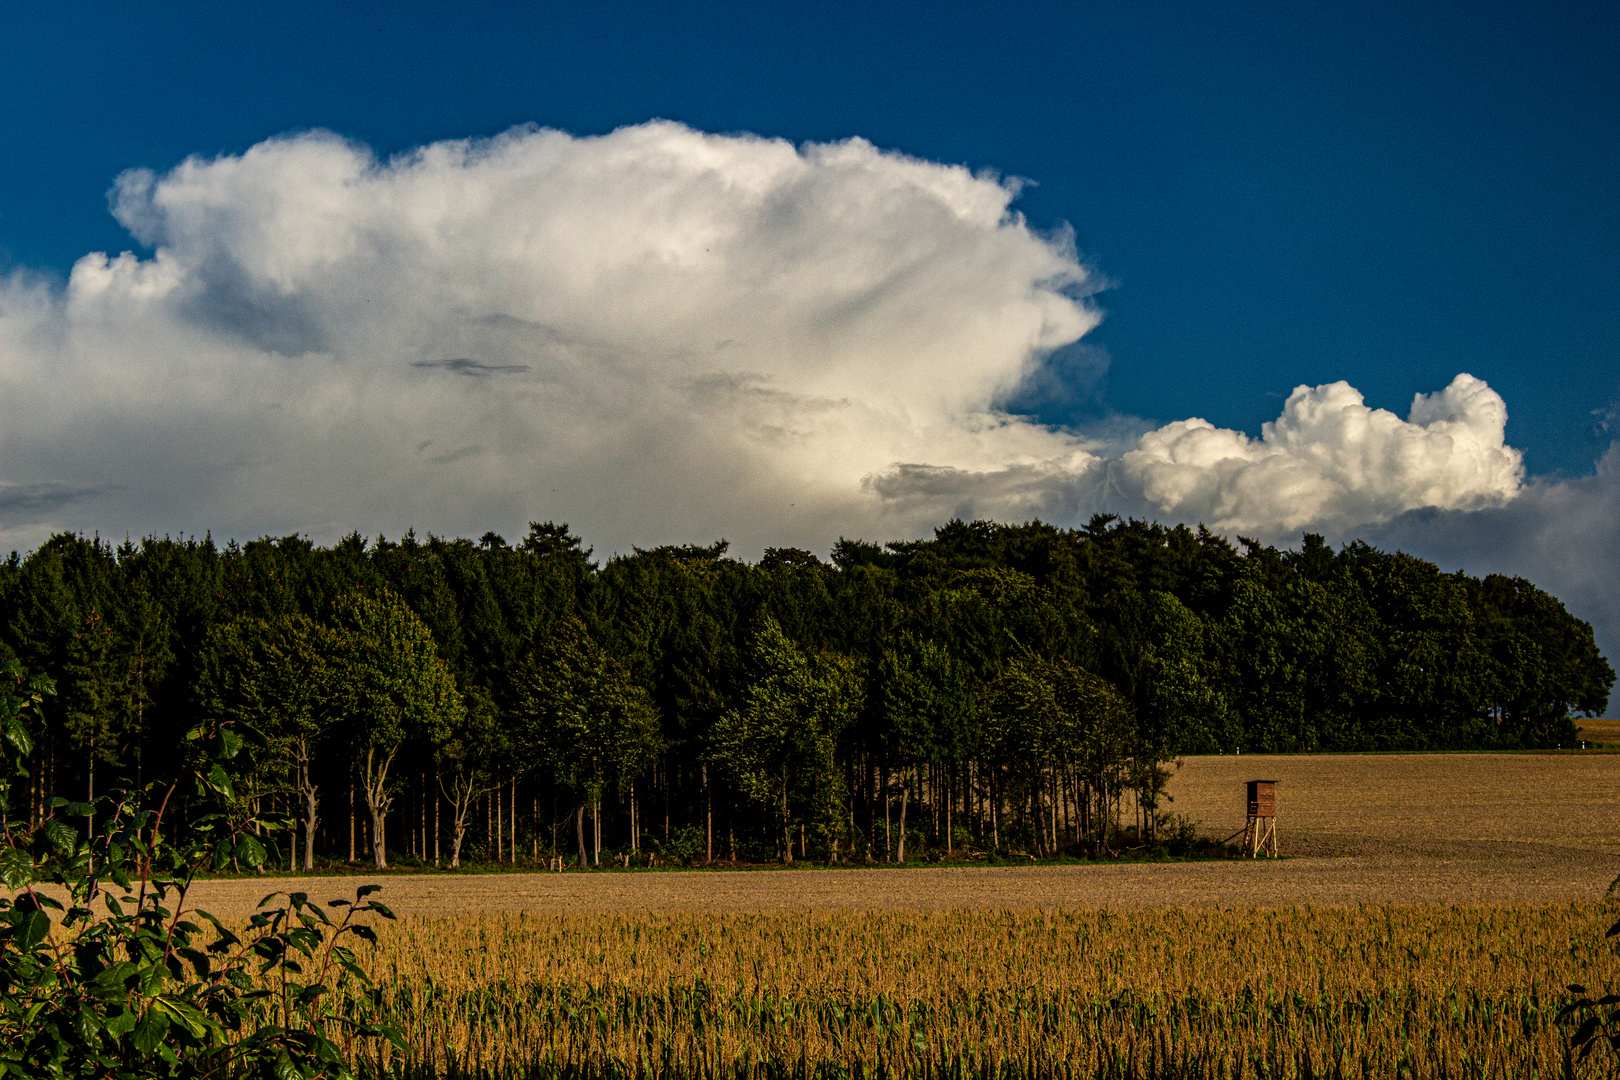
column 227, row 743
column 16, row 868
column 220, row 782
column 35, row 928
column 61, row 837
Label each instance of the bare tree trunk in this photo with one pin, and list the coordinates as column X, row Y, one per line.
column 579, row 832
column 375, row 784
column 463, row 795
column 787, row 824
column 351, row 813
column 883, row 789
column 306, row 788
column 994, row 795
column 708, row 817
column 905, row 797
column 311, row 821
column 1038, row 814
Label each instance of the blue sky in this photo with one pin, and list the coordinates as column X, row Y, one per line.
column 1277, row 195
column 884, row 265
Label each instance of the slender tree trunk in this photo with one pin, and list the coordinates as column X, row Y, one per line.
column 1052, row 812
column 1037, row 814
column 883, row 789
column 787, row 824
column 378, row 801
column 905, row 797
column 994, row 795
column 463, row 795
column 307, row 789
column 579, row 832
column 708, row 818
column 1066, row 793
column 311, row 821
column 351, row 811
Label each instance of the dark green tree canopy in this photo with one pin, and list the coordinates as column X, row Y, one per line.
column 989, row 661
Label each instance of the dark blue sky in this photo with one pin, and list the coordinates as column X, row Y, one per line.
column 1279, row 193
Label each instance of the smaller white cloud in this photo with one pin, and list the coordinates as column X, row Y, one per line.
column 1330, row 462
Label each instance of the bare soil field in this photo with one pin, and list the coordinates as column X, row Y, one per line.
column 1600, row 731
column 1377, row 828
column 1414, row 805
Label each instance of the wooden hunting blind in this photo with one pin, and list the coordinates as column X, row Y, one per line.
column 1260, row 830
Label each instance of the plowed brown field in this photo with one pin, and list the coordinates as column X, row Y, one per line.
column 1393, row 828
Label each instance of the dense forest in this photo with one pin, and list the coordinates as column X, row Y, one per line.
column 996, row 688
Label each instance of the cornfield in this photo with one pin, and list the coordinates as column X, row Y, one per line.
column 1366, row 991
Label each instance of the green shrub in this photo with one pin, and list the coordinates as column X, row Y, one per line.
column 148, row 986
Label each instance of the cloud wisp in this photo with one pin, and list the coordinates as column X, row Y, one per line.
column 656, row 334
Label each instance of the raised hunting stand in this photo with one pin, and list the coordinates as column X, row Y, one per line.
column 1260, row 833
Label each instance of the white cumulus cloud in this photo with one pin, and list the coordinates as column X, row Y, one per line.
column 1331, row 462
column 656, row 335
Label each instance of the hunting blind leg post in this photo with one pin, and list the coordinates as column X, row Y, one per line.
column 1260, row 830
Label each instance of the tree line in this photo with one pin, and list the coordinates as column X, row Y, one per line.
column 1011, row 688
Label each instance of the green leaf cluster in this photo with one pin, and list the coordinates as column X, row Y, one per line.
column 107, row 971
